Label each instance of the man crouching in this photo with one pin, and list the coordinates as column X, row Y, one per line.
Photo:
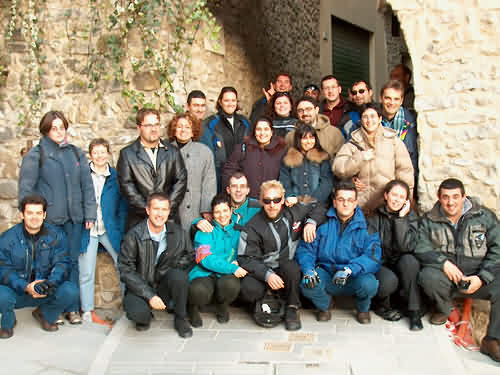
column 154, row 259
column 34, row 269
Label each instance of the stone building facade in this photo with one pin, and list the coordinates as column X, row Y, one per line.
column 453, row 44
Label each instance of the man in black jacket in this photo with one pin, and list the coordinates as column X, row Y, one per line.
column 154, row 261
column 150, row 165
column 266, row 250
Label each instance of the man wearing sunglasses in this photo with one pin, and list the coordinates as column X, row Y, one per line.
column 361, row 93
column 266, row 250
column 342, row 259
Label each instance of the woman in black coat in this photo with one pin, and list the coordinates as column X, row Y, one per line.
column 397, row 225
column 258, row 157
column 306, row 172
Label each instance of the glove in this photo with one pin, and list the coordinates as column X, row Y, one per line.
column 340, row 277
column 45, row 288
column 310, row 279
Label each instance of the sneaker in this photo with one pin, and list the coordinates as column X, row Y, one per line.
column 74, row 317
column 87, row 316
column 60, row 320
column 183, row 328
column 292, row 318
column 222, row 313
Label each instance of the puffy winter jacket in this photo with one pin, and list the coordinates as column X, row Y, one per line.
column 307, row 176
column 215, row 251
column 332, row 250
column 61, row 174
column 474, row 245
column 24, row 259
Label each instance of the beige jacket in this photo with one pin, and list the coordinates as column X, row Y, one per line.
column 391, row 161
column 330, row 138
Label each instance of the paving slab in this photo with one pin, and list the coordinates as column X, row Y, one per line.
column 340, row 346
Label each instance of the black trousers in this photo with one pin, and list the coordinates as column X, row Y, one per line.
column 173, row 290
column 404, row 272
column 442, row 291
column 223, row 290
column 253, row 290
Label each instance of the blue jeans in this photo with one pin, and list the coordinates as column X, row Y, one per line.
column 87, row 264
column 65, row 298
column 362, row 287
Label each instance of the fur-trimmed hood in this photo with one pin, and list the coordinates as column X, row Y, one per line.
column 294, row 158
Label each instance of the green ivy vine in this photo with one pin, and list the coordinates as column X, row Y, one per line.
column 166, row 30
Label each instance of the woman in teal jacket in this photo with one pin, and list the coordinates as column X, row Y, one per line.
column 216, row 274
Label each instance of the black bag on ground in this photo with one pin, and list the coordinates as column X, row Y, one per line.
column 270, row 310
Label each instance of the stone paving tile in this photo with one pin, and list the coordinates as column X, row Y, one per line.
column 233, row 369
column 311, row 369
column 202, row 357
column 149, row 368
column 200, row 345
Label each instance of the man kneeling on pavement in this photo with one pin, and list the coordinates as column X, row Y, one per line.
column 34, row 269
column 458, row 245
column 342, row 259
column 154, row 262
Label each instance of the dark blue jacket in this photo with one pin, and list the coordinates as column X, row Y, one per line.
column 61, row 174
column 308, row 175
column 114, row 213
column 332, row 250
column 21, row 258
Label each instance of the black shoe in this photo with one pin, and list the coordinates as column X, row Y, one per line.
column 415, row 321
column 142, row 326
column 221, row 313
column 292, row 319
column 387, row 313
column 194, row 316
column 182, row 327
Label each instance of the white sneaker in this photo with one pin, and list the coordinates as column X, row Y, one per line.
column 87, row 316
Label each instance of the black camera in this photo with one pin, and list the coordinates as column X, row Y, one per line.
column 463, row 284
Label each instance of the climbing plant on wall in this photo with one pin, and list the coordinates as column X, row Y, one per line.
column 164, row 29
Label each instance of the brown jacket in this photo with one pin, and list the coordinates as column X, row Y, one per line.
column 330, row 138
column 391, row 161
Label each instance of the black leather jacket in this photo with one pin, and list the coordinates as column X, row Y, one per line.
column 138, row 179
column 137, row 257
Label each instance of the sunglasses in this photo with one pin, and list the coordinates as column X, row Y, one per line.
column 269, row 200
column 355, row 92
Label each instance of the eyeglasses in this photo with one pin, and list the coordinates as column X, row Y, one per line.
column 343, row 200
column 355, row 92
column 305, row 110
column 273, row 200
column 149, row 126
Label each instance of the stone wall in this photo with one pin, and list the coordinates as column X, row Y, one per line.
column 287, row 36
column 396, row 45
column 232, row 63
column 455, row 49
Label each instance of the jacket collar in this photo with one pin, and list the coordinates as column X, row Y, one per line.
column 471, row 208
column 358, row 219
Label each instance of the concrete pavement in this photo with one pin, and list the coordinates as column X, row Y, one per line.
column 341, row 346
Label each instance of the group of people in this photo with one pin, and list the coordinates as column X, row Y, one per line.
column 306, row 201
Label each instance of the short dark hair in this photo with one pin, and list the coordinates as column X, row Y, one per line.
column 221, row 95
column 220, row 198
column 160, row 196
column 373, row 106
column 99, row 142
column 143, row 112
column 196, row 94
column 283, row 74
column 327, row 78
column 368, row 86
column 392, row 84
column 451, row 183
column 48, row 118
column 306, row 98
column 33, row 199
column 237, row 175
column 401, row 183
column 344, row 185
